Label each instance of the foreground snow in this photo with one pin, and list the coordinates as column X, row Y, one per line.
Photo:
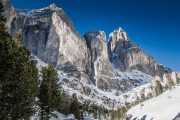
column 163, row 107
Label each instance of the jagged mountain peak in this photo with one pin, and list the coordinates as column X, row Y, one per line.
column 100, row 35
column 120, row 34
column 40, row 12
column 54, row 6
column 126, row 55
column 121, row 29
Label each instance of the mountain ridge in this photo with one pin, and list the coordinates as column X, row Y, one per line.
column 85, row 62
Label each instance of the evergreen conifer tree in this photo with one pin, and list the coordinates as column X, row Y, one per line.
column 49, row 93
column 94, row 114
column 75, row 107
column 18, row 77
column 170, row 83
column 158, row 88
column 178, row 80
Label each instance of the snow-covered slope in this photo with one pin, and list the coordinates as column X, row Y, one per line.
column 163, row 107
column 110, row 100
column 57, row 116
column 114, row 99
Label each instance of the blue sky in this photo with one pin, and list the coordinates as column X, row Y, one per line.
column 153, row 24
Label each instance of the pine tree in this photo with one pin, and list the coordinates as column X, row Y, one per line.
column 149, row 95
column 81, row 116
column 104, row 112
column 143, row 97
column 18, row 77
column 49, row 93
column 99, row 114
column 113, row 115
column 65, row 104
column 158, row 88
column 170, row 83
column 95, row 114
column 178, row 80
column 75, row 107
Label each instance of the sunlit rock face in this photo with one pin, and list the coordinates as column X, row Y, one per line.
column 50, row 35
column 102, row 69
column 127, row 56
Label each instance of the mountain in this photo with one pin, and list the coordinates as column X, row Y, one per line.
column 49, row 34
column 103, row 73
column 126, row 55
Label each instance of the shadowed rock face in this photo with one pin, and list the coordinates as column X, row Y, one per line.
column 127, row 56
column 50, row 35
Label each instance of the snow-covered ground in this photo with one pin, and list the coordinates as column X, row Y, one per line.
column 163, row 107
column 109, row 100
column 57, row 116
column 60, row 116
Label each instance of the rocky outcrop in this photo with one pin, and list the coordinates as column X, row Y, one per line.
column 9, row 13
column 49, row 34
column 100, row 64
column 127, row 56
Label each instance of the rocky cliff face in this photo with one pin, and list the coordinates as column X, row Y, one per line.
column 9, row 13
column 127, row 56
column 50, row 35
column 100, row 64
